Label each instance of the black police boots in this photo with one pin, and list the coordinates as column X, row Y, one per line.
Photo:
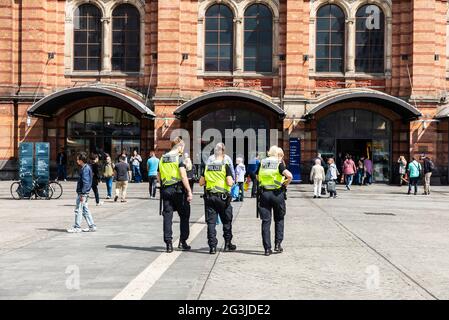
column 268, row 252
column 184, row 246
column 169, row 247
column 278, row 247
column 213, row 250
column 229, row 246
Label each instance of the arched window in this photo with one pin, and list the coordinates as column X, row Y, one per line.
column 219, row 38
column 258, row 38
column 87, row 38
column 126, row 39
column 370, row 37
column 330, row 39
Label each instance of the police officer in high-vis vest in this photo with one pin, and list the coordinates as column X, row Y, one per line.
column 273, row 178
column 176, row 194
column 217, row 177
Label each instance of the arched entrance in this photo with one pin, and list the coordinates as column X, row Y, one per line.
column 102, row 130
column 360, row 133
column 244, row 116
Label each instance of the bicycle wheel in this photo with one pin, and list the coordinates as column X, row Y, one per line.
column 57, row 189
column 45, row 192
column 16, row 190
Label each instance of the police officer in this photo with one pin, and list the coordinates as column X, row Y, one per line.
column 176, row 194
column 273, row 178
column 217, row 177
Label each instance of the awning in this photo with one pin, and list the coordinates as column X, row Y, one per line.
column 185, row 109
column 48, row 106
column 401, row 107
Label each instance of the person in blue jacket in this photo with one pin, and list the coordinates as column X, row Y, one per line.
column 83, row 188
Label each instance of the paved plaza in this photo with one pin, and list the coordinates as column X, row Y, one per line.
column 372, row 242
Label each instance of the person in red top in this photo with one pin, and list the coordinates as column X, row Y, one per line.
column 349, row 171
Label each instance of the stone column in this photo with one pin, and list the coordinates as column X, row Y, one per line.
column 350, row 48
column 238, row 45
column 107, row 45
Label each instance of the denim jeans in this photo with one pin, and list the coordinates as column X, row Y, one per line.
column 349, row 178
column 136, row 173
column 152, row 185
column 62, row 171
column 109, row 186
column 82, row 210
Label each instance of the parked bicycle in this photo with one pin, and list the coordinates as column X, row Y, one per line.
column 56, row 188
column 38, row 190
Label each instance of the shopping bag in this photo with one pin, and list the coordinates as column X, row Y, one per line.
column 235, row 191
column 246, row 186
column 331, row 186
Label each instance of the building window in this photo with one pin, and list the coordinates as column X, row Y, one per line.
column 330, row 39
column 126, row 39
column 219, row 38
column 87, row 38
column 370, row 37
column 258, row 38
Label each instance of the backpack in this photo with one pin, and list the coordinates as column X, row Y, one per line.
column 431, row 165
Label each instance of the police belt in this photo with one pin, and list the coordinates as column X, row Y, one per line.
column 222, row 195
column 175, row 185
column 278, row 190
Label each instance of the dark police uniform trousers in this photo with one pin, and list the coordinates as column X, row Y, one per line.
column 215, row 205
column 175, row 199
column 272, row 200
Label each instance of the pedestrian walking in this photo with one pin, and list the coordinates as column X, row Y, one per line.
column 414, row 173
column 108, row 174
column 360, row 177
column 83, row 187
column 96, row 177
column 402, row 171
column 176, row 194
column 240, row 173
column 368, row 171
column 121, row 172
column 190, row 169
column 317, row 176
column 136, row 160
column 428, row 168
column 349, row 170
column 331, row 178
column 61, row 160
column 152, row 166
column 252, row 168
column 273, row 179
column 217, row 178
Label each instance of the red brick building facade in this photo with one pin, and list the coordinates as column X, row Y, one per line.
column 341, row 75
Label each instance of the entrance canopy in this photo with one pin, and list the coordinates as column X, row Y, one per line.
column 401, row 107
column 185, row 109
column 49, row 106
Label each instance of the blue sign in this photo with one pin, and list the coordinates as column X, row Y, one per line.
column 295, row 159
column 42, row 168
column 26, row 166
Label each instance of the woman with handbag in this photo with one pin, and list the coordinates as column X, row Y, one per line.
column 331, row 178
column 414, row 172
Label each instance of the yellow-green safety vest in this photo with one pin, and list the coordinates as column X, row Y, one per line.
column 169, row 169
column 269, row 176
column 215, row 176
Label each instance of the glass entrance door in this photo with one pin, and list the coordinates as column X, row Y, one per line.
column 236, row 118
column 101, row 130
column 359, row 133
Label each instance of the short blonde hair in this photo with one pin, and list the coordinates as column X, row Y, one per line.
column 273, row 152
column 280, row 153
column 177, row 142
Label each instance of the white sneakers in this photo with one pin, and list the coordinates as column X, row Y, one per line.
column 78, row 230
column 93, row 229
column 100, row 203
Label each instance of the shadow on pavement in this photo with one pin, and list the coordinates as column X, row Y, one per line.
column 54, row 230
column 156, row 249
